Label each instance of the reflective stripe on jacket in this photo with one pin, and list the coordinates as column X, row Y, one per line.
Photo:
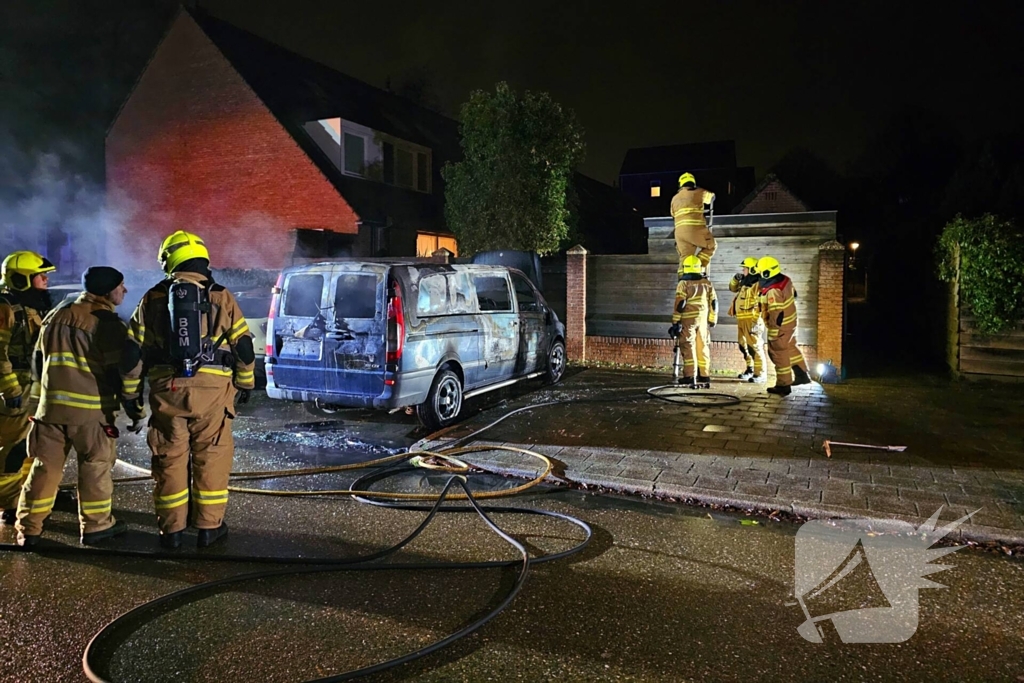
column 81, row 345
column 19, row 328
column 696, row 301
column 149, row 330
column 778, row 305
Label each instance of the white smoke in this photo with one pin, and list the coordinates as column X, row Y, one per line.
column 47, row 207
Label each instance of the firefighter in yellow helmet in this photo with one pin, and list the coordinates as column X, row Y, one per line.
column 692, row 209
column 76, row 359
column 778, row 308
column 24, row 301
column 189, row 337
column 695, row 311
column 746, row 308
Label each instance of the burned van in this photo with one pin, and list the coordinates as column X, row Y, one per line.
column 391, row 335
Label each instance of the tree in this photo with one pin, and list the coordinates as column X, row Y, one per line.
column 510, row 191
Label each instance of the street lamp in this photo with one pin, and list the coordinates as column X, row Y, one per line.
column 854, row 246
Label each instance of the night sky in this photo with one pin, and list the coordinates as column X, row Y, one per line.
column 773, row 76
column 823, row 76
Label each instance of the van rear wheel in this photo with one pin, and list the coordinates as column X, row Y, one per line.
column 444, row 401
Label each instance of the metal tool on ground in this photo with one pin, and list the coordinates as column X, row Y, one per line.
column 827, row 445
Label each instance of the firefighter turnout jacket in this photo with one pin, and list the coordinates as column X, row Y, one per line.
column 691, row 228
column 19, row 328
column 150, row 336
column 696, row 308
column 778, row 305
column 746, row 308
column 77, row 358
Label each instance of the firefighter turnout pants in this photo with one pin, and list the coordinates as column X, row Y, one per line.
column 14, row 460
column 783, row 351
column 748, row 334
column 191, row 422
column 695, row 348
column 706, row 248
column 49, row 445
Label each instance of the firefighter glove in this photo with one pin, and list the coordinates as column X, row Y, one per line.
column 13, row 403
column 712, row 324
column 675, row 330
column 134, row 410
column 243, row 396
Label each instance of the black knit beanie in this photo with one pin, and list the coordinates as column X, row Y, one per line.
column 101, row 280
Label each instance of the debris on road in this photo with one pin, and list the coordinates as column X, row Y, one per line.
column 828, row 447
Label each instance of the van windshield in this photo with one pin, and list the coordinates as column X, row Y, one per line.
column 356, row 296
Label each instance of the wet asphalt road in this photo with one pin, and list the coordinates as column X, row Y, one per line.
column 662, row 593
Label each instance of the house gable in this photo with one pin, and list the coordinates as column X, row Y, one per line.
column 771, row 196
column 195, row 148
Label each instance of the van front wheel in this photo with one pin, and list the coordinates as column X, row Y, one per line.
column 444, row 402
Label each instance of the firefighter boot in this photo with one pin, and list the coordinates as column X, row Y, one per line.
column 779, row 391
column 8, row 516
column 800, row 376
column 172, row 540
column 94, row 537
column 686, row 382
column 758, row 379
column 703, row 382
column 208, row 537
column 27, row 541
column 746, row 374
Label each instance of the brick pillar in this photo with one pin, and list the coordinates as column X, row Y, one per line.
column 831, row 277
column 576, row 303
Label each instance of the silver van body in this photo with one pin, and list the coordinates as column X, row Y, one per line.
column 382, row 334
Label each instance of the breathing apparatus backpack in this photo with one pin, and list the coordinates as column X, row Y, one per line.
column 188, row 348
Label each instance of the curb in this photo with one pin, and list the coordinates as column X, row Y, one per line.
column 967, row 532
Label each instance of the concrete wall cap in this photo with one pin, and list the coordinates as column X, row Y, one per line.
column 578, row 250
column 831, row 245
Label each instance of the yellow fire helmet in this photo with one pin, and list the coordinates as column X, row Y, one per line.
column 691, row 265
column 749, row 262
column 687, row 178
column 19, row 267
column 768, row 267
column 180, row 247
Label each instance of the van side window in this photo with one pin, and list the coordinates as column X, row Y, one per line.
column 460, row 293
column 525, row 295
column 433, row 296
column 302, row 295
column 492, row 293
column 355, row 296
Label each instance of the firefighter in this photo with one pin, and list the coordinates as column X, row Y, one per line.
column 692, row 210
column 778, row 308
column 696, row 310
column 24, row 300
column 746, row 308
column 189, row 337
column 76, row 363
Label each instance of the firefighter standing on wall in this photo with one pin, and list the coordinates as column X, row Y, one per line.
column 746, row 308
column 24, row 300
column 696, row 309
column 76, row 363
column 692, row 210
column 778, row 306
column 189, row 336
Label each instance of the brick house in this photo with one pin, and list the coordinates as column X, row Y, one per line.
column 269, row 155
column 771, row 196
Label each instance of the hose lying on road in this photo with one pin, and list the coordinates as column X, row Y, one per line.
column 103, row 645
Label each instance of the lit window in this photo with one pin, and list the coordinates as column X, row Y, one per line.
column 355, row 154
column 427, row 243
column 655, row 188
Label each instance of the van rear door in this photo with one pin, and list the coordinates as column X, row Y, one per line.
column 355, row 341
column 298, row 333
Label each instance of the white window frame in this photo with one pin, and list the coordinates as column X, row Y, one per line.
column 413, row 149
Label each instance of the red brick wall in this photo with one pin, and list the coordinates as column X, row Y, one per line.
column 725, row 356
column 774, row 198
column 831, row 267
column 194, row 148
